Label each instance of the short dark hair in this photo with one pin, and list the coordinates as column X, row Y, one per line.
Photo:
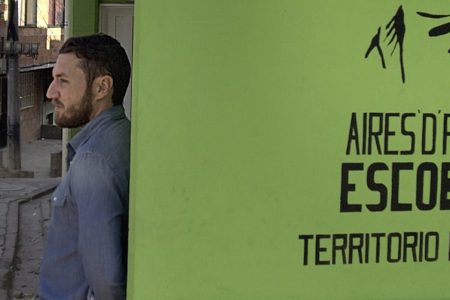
column 101, row 55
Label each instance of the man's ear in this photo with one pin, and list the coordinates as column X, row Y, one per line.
column 102, row 87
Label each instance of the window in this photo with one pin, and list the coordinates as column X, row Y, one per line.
column 2, row 10
column 27, row 12
column 27, row 89
column 30, row 13
column 56, row 13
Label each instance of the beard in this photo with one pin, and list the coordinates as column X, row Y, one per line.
column 75, row 115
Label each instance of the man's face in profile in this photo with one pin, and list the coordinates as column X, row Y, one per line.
column 70, row 95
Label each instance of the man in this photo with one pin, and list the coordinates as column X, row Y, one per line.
column 87, row 239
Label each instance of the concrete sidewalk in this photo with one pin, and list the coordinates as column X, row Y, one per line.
column 17, row 197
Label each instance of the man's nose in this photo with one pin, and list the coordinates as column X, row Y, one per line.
column 51, row 91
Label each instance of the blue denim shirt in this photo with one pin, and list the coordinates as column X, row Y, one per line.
column 87, row 239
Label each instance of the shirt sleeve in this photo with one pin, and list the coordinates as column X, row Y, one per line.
column 102, row 222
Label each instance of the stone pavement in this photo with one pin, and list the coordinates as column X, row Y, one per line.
column 24, row 216
column 34, row 218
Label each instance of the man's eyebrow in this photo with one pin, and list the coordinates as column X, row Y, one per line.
column 60, row 74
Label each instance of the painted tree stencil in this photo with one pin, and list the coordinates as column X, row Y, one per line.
column 396, row 30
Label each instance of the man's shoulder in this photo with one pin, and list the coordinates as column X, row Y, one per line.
column 110, row 133
column 111, row 143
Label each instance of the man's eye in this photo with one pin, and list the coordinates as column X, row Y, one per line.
column 62, row 80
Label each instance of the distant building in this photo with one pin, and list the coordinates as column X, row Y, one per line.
column 42, row 22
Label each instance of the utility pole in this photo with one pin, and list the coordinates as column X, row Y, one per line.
column 14, row 160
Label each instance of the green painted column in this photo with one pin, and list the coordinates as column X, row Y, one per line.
column 272, row 160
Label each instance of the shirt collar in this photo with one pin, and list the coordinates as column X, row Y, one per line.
column 114, row 113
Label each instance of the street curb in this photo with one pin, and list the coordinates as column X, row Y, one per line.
column 7, row 259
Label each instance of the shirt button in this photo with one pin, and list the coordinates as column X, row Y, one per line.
column 55, row 198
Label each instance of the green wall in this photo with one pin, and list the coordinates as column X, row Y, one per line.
column 83, row 17
column 115, row 1
column 242, row 112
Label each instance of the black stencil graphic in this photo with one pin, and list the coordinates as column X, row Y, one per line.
column 396, row 33
column 375, row 43
column 438, row 30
